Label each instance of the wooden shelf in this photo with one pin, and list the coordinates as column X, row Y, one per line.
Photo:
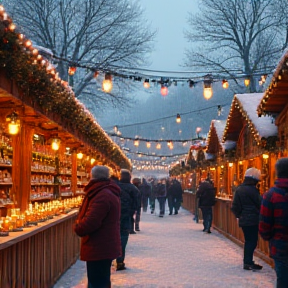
column 65, row 184
column 5, row 183
column 42, row 171
column 66, row 174
column 43, row 184
column 41, row 198
column 5, row 166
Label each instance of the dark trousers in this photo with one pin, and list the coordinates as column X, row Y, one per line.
column 162, row 201
column 152, row 203
column 281, row 269
column 207, row 215
column 124, row 240
column 137, row 218
column 98, row 273
column 251, row 238
column 170, row 203
column 145, row 202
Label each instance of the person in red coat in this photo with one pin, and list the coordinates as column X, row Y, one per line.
column 98, row 225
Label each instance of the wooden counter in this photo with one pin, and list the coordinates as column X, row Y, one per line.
column 39, row 255
column 225, row 222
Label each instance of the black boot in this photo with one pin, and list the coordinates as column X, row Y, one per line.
column 120, row 266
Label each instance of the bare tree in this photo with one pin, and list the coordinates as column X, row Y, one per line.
column 99, row 34
column 240, row 37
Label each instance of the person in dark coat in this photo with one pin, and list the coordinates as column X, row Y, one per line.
column 246, row 208
column 273, row 225
column 161, row 196
column 125, row 184
column 206, row 200
column 98, row 225
column 125, row 224
column 137, row 182
column 174, row 195
column 152, row 197
column 145, row 189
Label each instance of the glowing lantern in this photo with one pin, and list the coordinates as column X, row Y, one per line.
column 164, row 90
column 178, row 118
column 72, row 70
column 207, row 87
column 107, row 84
column 14, row 125
column 146, row 83
column 80, row 155
column 55, row 145
column 247, row 81
column 225, row 84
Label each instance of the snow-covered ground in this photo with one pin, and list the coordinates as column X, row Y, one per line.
column 174, row 252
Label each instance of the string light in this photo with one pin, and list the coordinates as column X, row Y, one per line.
column 225, row 84
column 247, row 81
column 207, row 87
column 164, row 90
column 146, row 83
column 148, row 145
column 178, row 118
column 107, row 84
column 72, row 70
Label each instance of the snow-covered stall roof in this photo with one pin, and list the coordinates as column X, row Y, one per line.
column 247, row 104
column 278, row 83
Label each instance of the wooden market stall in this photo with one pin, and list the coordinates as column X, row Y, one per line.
column 48, row 143
column 274, row 102
column 252, row 142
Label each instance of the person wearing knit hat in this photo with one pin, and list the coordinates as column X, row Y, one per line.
column 246, row 208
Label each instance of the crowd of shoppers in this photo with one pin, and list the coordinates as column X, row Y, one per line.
column 111, row 210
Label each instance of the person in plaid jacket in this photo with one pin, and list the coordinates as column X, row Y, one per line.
column 273, row 225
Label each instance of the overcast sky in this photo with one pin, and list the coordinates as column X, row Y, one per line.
column 170, row 20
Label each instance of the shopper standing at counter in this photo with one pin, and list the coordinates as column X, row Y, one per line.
column 98, row 225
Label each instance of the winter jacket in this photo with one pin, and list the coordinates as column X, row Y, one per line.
column 145, row 189
column 98, row 222
column 133, row 192
column 273, row 224
column 206, row 194
column 175, row 190
column 246, row 203
column 160, row 190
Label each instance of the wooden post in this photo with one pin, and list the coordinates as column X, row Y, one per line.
column 21, row 167
column 74, row 174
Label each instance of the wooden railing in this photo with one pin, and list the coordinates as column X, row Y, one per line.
column 39, row 256
column 225, row 222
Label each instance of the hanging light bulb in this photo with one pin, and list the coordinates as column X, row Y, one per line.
column 191, row 83
column 96, row 74
column 55, row 144
column 225, row 84
column 72, row 70
column 115, row 129
column 178, row 118
column 158, row 146
column 14, row 123
column 92, row 161
column 148, row 145
column 247, row 81
column 136, row 142
column 146, row 83
column 164, row 90
column 79, row 155
column 107, row 84
column 207, row 85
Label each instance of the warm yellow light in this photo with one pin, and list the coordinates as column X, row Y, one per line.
column 247, row 82
column 225, row 84
column 107, row 84
column 136, row 143
column 265, row 156
column 230, row 164
column 13, row 128
column 240, row 163
column 92, row 161
column 178, row 118
column 55, row 145
column 222, row 166
column 148, row 145
column 12, row 27
column 207, row 93
column 146, row 83
column 158, row 146
column 79, row 155
column 212, row 168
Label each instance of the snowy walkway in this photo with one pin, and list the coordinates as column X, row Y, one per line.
column 174, row 252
